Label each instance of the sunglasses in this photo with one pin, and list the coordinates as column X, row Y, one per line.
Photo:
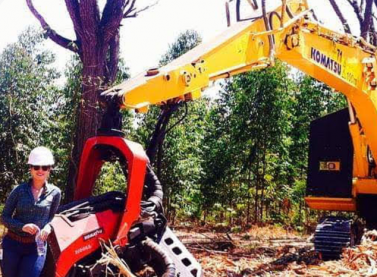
column 38, row 167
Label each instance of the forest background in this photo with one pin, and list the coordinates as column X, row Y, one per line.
column 232, row 160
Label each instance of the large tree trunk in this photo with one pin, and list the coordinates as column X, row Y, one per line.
column 249, row 184
column 161, row 130
column 365, row 26
column 263, row 182
column 97, row 44
column 89, row 114
column 256, row 198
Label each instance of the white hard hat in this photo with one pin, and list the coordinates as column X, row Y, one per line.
column 41, row 156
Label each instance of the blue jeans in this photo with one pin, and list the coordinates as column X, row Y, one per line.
column 21, row 259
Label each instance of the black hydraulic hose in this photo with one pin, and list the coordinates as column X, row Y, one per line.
column 180, row 120
column 154, row 192
column 159, row 258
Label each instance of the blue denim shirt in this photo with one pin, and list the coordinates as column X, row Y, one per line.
column 21, row 208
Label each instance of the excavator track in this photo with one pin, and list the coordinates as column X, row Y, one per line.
column 332, row 235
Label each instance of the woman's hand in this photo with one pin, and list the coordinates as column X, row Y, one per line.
column 45, row 232
column 30, row 228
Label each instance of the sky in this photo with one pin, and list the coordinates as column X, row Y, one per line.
column 146, row 38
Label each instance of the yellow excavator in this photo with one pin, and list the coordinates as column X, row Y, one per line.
column 341, row 169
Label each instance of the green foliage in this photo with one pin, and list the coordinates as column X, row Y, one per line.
column 248, row 140
column 30, row 106
column 232, row 161
column 112, row 178
column 256, row 145
column 237, row 159
column 182, row 162
column 185, row 42
column 180, row 157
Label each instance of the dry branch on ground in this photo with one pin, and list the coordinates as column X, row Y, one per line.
column 270, row 251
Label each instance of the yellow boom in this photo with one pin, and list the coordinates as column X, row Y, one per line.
column 343, row 62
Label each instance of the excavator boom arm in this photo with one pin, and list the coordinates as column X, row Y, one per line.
column 242, row 47
column 345, row 63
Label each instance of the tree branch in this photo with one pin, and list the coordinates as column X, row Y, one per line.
column 114, row 12
column 112, row 64
column 58, row 39
column 160, row 128
column 132, row 12
column 342, row 19
column 89, row 15
column 367, row 19
column 112, row 16
column 131, row 7
column 357, row 10
column 97, row 13
column 107, row 10
column 373, row 35
column 73, row 10
column 373, row 25
column 374, row 16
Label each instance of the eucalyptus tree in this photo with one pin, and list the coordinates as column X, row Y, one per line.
column 97, row 45
column 30, row 106
column 110, row 176
column 247, row 146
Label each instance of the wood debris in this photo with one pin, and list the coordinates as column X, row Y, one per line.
column 278, row 253
column 110, row 256
column 363, row 257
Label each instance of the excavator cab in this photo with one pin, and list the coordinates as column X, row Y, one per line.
column 330, row 167
column 329, row 181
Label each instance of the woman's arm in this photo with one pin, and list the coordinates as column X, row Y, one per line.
column 10, row 206
column 54, row 207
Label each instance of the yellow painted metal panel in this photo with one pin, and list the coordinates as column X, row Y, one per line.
column 331, row 204
column 360, row 167
column 365, row 186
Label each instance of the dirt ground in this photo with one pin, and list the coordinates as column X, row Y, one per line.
column 261, row 251
column 272, row 251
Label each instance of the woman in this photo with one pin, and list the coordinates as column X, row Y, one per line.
column 27, row 212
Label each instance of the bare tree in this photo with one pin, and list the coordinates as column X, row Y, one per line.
column 97, row 44
column 342, row 19
column 363, row 10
